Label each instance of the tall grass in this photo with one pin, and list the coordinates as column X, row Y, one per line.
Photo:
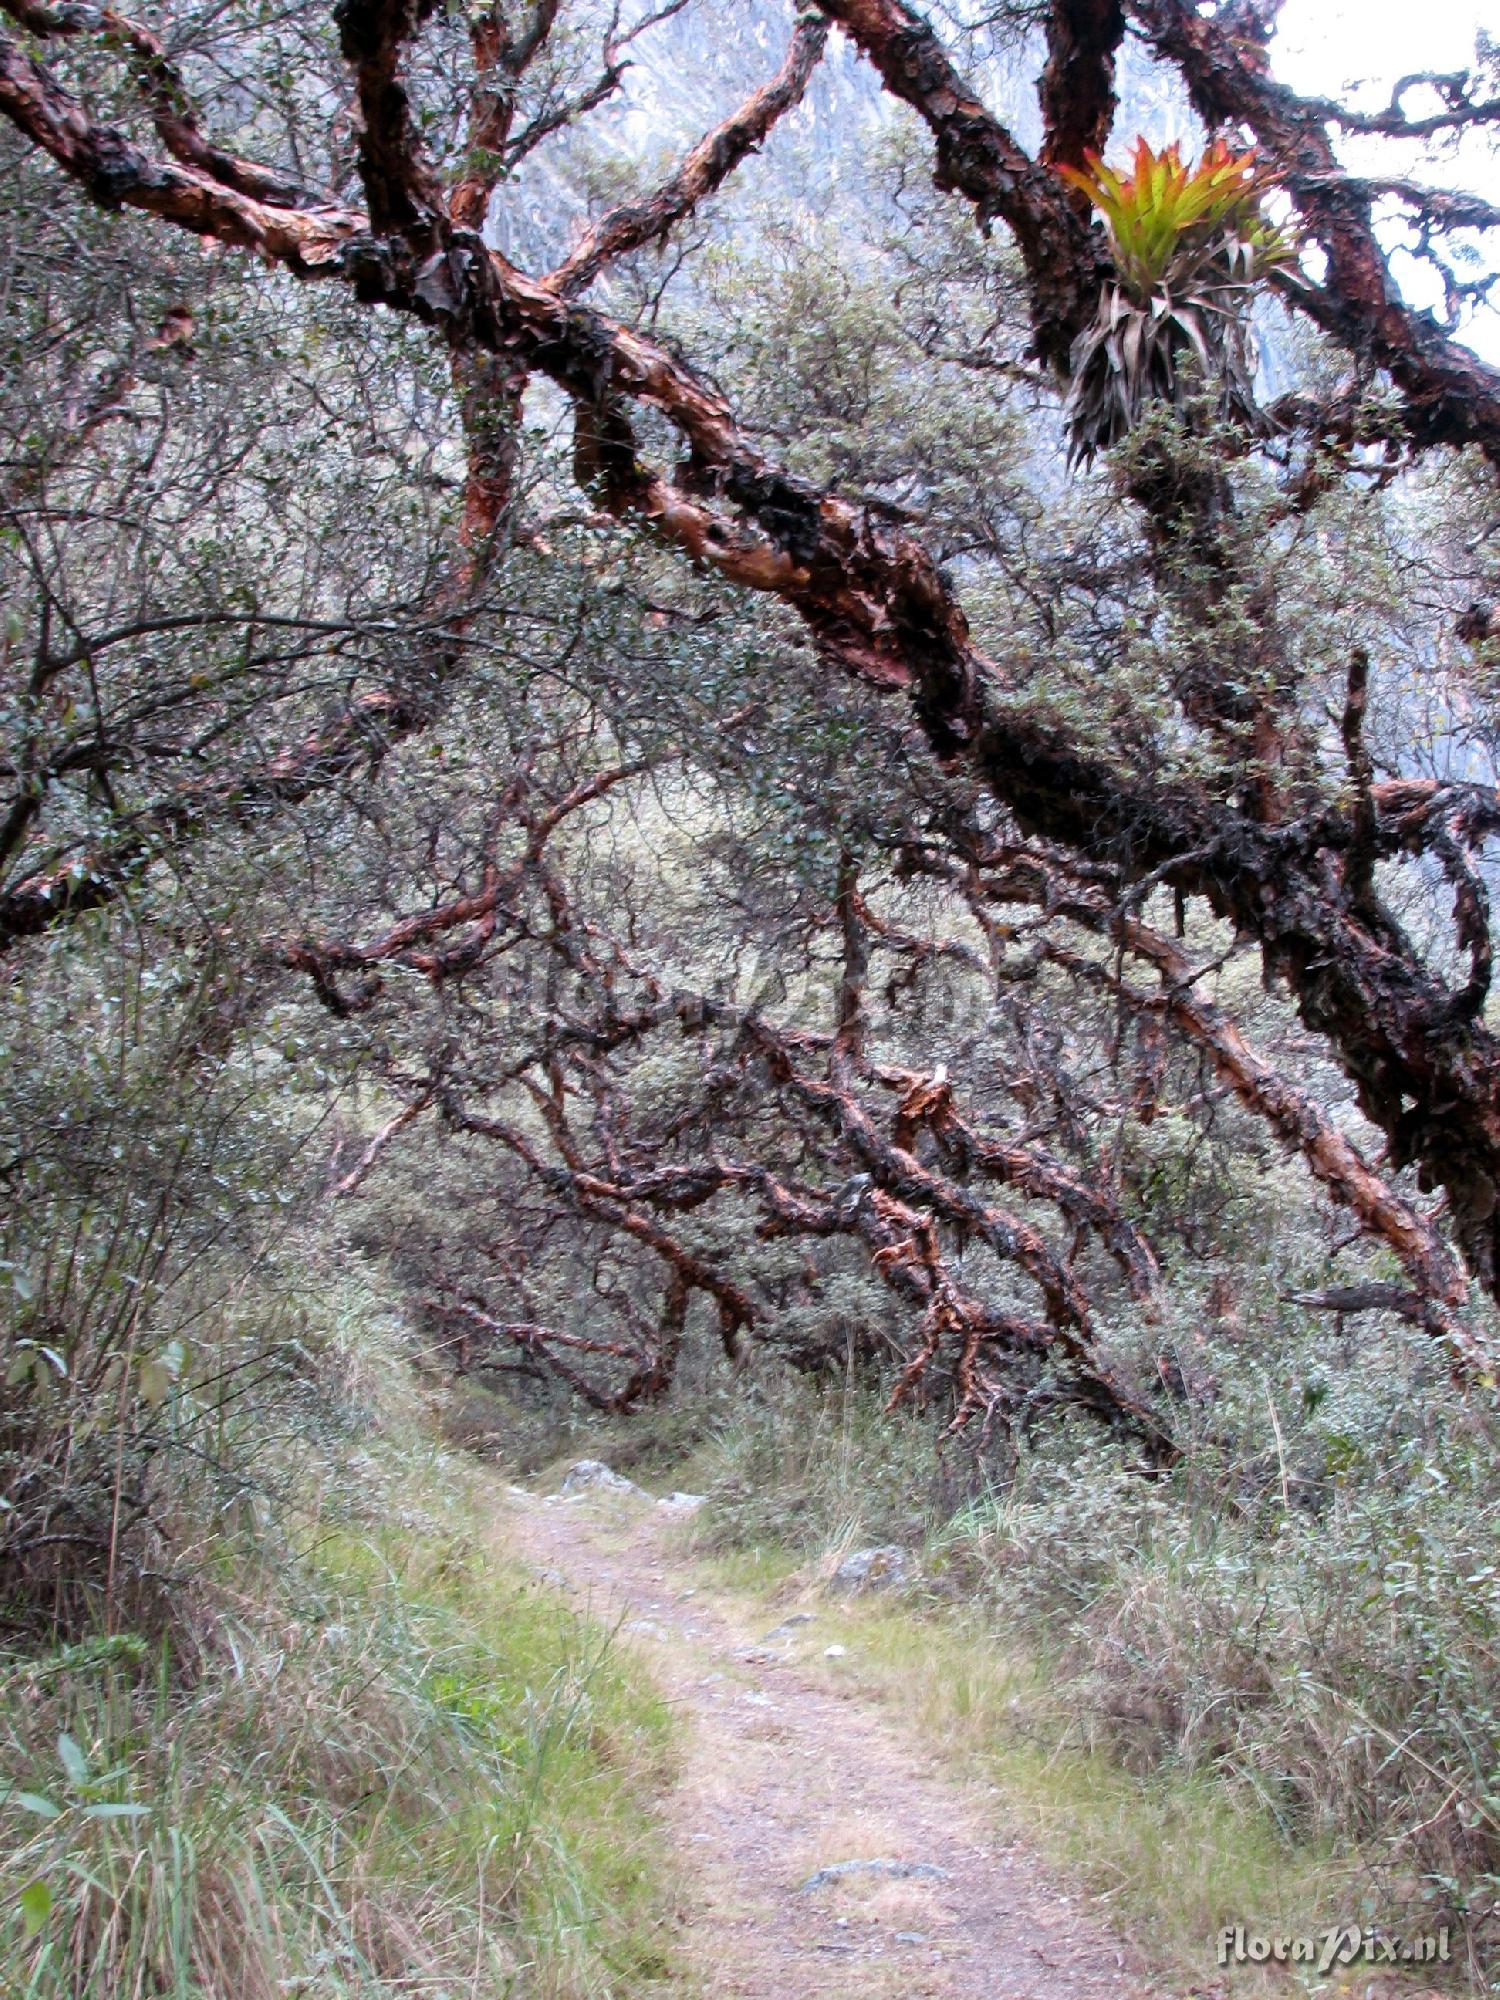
column 399, row 1768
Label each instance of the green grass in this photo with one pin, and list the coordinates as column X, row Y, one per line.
column 404, row 1768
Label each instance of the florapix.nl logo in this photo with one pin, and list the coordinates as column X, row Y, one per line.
column 1341, row 1944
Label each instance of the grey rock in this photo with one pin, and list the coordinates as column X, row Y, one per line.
column 684, row 1503
column 593, row 1475
column 873, row 1569
column 787, row 1626
column 898, row 1871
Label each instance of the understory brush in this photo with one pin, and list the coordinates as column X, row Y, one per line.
column 277, row 1714
column 366, row 1755
column 1264, row 1687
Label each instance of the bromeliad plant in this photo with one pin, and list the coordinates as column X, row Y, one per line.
column 1190, row 246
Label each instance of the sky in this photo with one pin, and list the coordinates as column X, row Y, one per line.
column 1324, row 44
column 1323, row 47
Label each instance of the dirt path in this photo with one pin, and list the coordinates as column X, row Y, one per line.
column 784, row 1775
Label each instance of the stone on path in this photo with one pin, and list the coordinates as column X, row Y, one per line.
column 898, row 1871
column 593, row 1475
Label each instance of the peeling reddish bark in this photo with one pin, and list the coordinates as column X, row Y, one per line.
column 705, row 169
column 161, row 84
column 1027, row 1168
column 1078, row 84
column 114, row 172
column 399, row 186
column 1441, row 1292
column 501, row 59
column 872, row 595
column 977, row 157
column 902, row 1204
column 1008, row 874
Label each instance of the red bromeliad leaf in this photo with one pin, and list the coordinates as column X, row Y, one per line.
column 1165, row 218
column 1190, row 245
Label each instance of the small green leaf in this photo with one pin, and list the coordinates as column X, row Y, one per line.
column 113, row 1811
column 44, row 1808
column 73, row 1761
column 36, row 1906
column 155, row 1383
column 161, row 1372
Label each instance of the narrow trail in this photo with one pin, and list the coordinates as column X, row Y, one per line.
column 784, row 1774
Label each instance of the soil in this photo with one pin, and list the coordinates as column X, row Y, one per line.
column 785, row 1771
